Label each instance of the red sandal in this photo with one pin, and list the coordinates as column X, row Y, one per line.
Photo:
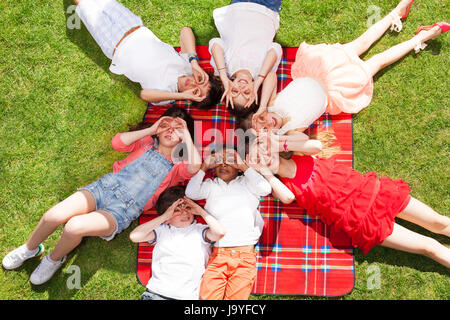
column 407, row 10
column 443, row 25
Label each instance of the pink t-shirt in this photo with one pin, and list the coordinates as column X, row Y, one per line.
column 177, row 175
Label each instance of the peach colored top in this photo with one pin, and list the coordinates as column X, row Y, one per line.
column 178, row 175
column 344, row 76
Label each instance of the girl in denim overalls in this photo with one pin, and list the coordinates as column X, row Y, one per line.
column 109, row 205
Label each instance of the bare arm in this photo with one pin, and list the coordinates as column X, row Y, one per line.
column 268, row 92
column 132, row 136
column 266, row 68
column 187, row 45
column 298, row 142
column 279, row 190
column 145, row 232
column 187, row 40
column 219, row 58
column 152, row 95
column 216, row 230
column 194, row 158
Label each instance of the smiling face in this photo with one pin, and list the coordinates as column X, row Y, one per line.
column 267, row 121
column 242, row 88
column 182, row 217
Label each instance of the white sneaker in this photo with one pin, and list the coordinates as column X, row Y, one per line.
column 18, row 256
column 45, row 270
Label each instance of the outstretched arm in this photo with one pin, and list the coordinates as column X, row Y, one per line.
column 187, row 45
column 268, row 92
column 219, row 58
column 155, row 96
column 266, row 69
column 298, row 142
column 279, row 190
column 193, row 156
column 215, row 231
column 128, row 138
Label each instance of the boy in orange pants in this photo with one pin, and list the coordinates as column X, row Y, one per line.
column 232, row 199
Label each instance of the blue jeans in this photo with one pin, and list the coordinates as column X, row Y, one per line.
column 125, row 193
column 274, row 5
column 149, row 295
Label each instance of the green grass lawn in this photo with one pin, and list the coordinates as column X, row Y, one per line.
column 60, row 107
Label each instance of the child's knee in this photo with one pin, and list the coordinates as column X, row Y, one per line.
column 75, row 227
column 431, row 248
column 53, row 216
column 441, row 225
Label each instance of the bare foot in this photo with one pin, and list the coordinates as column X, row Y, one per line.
column 402, row 7
column 426, row 35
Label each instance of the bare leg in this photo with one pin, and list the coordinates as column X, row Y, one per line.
column 363, row 43
column 79, row 203
column 97, row 223
column 419, row 213
column 409, row 241
column 382, row 60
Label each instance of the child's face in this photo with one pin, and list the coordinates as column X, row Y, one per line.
column 188, row 83
column 242, row 89
column 225, row 170
column 267, row 121
column 169, row 138
column 182, row 216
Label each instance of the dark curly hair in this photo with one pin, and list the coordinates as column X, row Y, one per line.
column 214, row 95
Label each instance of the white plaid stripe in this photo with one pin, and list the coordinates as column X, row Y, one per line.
column 107, row 21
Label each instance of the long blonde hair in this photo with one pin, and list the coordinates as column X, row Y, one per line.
column 329, row 145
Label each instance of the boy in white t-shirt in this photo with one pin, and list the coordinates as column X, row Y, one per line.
column 182, row 246
column 233, row 199
column 138, row 54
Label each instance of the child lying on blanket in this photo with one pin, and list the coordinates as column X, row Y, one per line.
column 139, row 55
column 333, row 78
column 233, row 199
column 364, row 206
column 245, row 52
column 182, row 246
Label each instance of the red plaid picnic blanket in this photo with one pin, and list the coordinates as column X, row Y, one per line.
column 296, row 254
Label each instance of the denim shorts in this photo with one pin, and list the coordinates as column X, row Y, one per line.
column 116, row 201
column 107, row 21
column 150, row 295
column 274, row 5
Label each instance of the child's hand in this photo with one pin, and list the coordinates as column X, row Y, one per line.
column 233, row 159
column 194, row 94
column 263, row 160
column 193, row 207
column 181, row 129
column 161, row 125
column 170, row 212
column 211, row 161
column 227, row 84
column 200, row 76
